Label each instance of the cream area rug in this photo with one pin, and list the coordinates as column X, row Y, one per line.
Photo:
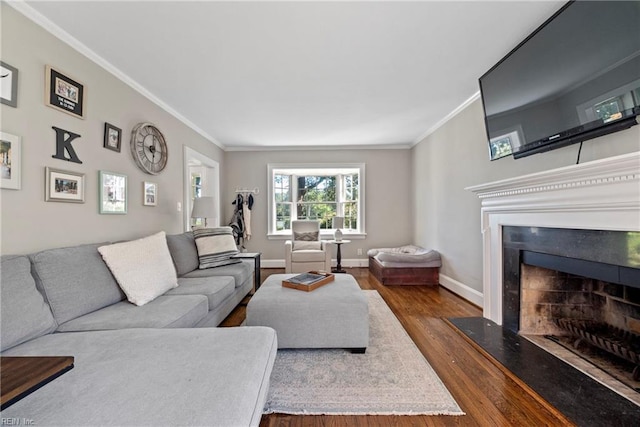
column 391, row 378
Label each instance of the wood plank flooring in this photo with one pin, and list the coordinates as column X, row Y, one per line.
column 484, row 392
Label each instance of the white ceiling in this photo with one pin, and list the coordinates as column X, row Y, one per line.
column 253, row 75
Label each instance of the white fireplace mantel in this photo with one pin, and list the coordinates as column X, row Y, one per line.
column 599, row 195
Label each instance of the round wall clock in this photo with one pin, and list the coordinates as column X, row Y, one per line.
column 148, row 148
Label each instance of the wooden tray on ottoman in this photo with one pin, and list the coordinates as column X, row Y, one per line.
column 308, row 281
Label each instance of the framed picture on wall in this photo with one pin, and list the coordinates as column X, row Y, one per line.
column 63, row 186
column 112, row 137
column 10, row 161
column 64, row 93
column 8, row 85
column 150, row 194
column 113, row 193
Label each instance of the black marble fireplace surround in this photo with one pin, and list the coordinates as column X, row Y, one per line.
column 610, row 256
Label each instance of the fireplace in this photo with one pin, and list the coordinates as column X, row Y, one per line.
column 578, row 224
column 580, row 288
column 600, row 195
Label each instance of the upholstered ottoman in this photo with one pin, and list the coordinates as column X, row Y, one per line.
column 335, row 315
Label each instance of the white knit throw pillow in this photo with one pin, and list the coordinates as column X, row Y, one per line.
column 143, row 268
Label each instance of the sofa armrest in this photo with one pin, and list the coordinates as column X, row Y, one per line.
column 328, row 251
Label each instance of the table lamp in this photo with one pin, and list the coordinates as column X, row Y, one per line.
column 203, row 207
column 337, row 224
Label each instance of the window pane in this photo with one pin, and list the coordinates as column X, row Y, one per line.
column 282, row 188
column 196, row 185
column 322, row 212
column 351, row 216
column 283, row 216
column 316, row 189
column 351, row 187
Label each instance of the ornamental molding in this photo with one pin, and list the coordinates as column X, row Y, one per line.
column 612, row 170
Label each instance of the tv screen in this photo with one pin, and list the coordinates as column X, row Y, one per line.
column 575, row 78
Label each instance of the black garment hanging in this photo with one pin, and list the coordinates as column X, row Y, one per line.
column 237, row 221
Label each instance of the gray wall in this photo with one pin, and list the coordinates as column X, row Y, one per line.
column 28, row 223
column 388, row 196
column 446, row 217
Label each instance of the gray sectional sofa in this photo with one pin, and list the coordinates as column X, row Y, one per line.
column 163, row 363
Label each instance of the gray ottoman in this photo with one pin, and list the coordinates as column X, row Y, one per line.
column 335, row 315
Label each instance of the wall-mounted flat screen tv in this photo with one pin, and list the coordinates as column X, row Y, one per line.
column 575, row 78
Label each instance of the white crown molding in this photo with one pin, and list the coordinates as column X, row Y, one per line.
column 448, row 117
column 22, row 7
column 320, row 147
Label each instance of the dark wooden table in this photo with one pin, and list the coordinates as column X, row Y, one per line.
column 21, row 376
column 255, row 256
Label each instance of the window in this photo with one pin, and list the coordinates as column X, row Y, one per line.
column 507, row 141
column 609, row 110
column 196, row 191
column 321, row 192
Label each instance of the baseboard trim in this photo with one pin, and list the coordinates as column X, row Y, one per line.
column 462, row 290
column 272, row 263
column 354, row 262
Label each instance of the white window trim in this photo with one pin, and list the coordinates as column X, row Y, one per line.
column 325, row 234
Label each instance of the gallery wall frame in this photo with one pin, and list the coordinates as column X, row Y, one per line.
column 112, row 137
column 8, row 85
column 113, row 193
column 10, row 161
column 64, row 93
column 149, row 193
column 64, row 186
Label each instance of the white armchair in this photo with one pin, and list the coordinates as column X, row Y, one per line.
column 305, row 251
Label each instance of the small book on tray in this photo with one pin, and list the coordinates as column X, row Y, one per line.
column 308, row 281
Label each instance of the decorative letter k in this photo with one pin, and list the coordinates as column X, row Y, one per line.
column 63, row 142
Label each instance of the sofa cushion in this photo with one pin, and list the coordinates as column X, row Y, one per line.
column 179, row 311
column 143, row 268
column 216, row 289
column 183, row 251
column 153, row 377
column 75, row 281
column 215, row 246
column 24, row 314
column 301, row 245
column 240, row 272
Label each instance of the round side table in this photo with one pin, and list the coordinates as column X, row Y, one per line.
column 338, row 243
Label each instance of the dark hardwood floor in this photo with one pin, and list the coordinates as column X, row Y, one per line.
column 485, row 393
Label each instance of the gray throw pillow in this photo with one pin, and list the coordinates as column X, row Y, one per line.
column 309, row 236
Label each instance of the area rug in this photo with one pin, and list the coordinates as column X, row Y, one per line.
column 391, row 378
